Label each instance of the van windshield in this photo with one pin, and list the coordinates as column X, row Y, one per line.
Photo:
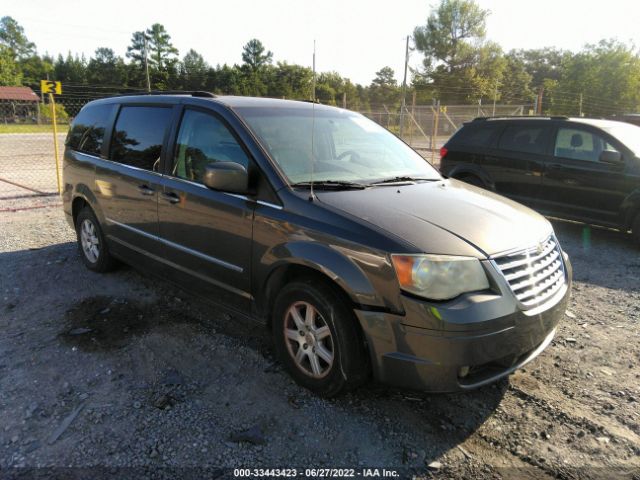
column 347, row 147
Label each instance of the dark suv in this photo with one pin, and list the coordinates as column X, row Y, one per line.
column 322, row 225
column 574, row 168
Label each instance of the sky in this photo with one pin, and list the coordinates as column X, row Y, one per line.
column 353, row 37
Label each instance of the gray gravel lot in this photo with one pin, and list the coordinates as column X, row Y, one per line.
column 122, row 370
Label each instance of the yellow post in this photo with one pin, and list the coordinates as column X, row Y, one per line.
column 55, row 139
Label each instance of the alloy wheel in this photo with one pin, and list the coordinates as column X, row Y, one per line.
column 309, row 340
column 89, row 240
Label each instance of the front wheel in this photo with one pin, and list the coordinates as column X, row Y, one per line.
column 317, row 339
column 91, row 242
column 473, row 180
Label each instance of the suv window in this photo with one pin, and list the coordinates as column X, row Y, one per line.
column 523, row 138
column 204, row 139
column 580, row 145
column 476, row 135
column 139, row 134
column 87, row 133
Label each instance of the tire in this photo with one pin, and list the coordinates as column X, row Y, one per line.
column 91, row 243
column 332, row 338
column 635, row 229
column 473, row 180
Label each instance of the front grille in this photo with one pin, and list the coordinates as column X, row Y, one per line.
column 534, row 274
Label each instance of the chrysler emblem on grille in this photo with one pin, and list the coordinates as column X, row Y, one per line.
column 540, row 248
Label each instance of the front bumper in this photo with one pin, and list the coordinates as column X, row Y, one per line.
column 469, row 342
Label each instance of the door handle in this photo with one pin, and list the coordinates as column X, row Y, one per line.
column 146, row 190
column 171, row 197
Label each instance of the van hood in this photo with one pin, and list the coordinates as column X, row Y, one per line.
column 486, row 221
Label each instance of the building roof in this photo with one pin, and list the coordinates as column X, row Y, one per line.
column 24, row 94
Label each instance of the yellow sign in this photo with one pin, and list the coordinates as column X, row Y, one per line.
column 50, row 86
column 443, row 109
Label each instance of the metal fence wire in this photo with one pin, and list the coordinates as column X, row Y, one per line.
column 27, row 158
column 27, row 155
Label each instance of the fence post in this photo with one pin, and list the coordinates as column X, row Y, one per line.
column 55, row 139
column 435, row 133
column 413, row 115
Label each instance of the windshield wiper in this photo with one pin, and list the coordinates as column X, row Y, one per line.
column 331, row 185
column 402, row 179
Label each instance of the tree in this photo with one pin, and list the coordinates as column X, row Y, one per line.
column 450, row 32
column 255, row 56
column 458, row 62
column 541, row 64
column 106, row 68
column 384, row 89
column 289, row 81
column 72, row 69
column 10, row 74
column 36, row 68
column 193, row 71
column 607, row 75
column 12, row 36
column 515, row 87
column 161, row 56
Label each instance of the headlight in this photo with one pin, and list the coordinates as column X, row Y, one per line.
column 439, row 277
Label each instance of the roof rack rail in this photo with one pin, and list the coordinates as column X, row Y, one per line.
column 193, row 93
column 498, row 117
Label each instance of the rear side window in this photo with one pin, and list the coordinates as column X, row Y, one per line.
column 523, row 138
column 87, row 132
column 139, row 134
column 580, row 145
column 478, row 136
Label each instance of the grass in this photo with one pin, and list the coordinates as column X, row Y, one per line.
column 23, row 128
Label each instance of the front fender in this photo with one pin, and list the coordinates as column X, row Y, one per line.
column 350, row 269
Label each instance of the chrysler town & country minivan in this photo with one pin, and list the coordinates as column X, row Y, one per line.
column 357, row 254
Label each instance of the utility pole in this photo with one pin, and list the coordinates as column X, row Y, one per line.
column 404, row 87
column 146, row 62
column 539, row 106
column 313, row 83
column 581, row 114
column 495, row 97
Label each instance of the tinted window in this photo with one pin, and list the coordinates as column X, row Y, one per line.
column 204, row 139
column 87, row 132
column 138, row 135
column 523, row 138
column 580, row 145
column 476, row 135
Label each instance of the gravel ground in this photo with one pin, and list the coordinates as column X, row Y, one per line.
column 122, row 374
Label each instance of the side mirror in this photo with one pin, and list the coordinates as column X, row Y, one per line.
column 227, row 177
column 610, row 156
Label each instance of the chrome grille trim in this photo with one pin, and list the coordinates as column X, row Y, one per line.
column 534, row 274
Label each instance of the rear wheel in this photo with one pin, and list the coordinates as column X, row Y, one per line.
column 317, row 339
column 91, row 242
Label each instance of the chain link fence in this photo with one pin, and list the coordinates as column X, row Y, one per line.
column 27, row 155
column 428, row 127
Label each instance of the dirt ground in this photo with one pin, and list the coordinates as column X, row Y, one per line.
column 121, row 374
